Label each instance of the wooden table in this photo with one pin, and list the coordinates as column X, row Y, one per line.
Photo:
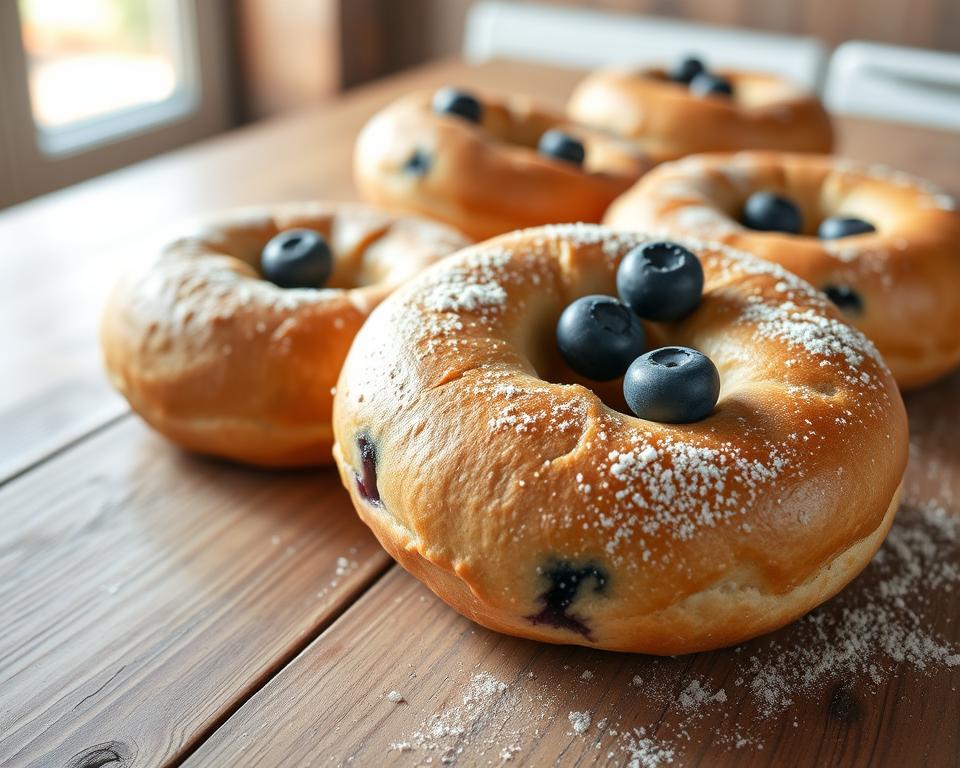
column 159, row 608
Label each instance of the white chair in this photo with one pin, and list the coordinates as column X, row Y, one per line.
column 893, row 83
column 590, row 38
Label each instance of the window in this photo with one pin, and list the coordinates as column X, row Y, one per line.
column 95, row 84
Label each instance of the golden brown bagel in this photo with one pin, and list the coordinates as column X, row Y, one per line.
column 669, row 121
column 223, row 362
column 906, row 275
column 535, row 509
column 486, row 179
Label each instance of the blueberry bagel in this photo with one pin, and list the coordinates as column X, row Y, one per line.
column 882, row 245
column 230, row 341
column 488, row 165
column 687, row 110
column 531, row 502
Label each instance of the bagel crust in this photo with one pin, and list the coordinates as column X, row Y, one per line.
column 536, row 509
column 765, row 112
column 487, row 179
column 905, row 275
column 226, row 363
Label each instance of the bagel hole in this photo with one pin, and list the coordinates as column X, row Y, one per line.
column 543, row 354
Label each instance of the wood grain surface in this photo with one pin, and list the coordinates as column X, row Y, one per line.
column 146, row 595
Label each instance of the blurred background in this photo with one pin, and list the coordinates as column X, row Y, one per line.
column 92, row 85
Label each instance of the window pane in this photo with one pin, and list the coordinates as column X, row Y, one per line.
column 91, row 58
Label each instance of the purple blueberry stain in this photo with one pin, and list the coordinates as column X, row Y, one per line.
column 565, row 581
column 367, row 477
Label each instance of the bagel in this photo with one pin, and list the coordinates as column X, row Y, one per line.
column 488, row 178
column 533, row 505
column 900, row 285
column 669, row 121
column 223, row 362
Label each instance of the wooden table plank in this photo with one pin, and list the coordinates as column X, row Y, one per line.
column 144, row 593
column 472, row 697
column 61, row 252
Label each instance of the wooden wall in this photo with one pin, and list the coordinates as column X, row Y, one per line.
column 295, row 53
column 418, row 30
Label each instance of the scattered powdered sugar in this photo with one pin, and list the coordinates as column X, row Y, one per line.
column 580, row 722
column 645, row 752
column 485, row 700
column 395, row 696
column 867, row 631
column 695, row 696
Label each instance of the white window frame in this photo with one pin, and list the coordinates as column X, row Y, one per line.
column 32, row 163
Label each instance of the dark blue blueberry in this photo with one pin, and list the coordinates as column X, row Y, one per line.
column 565, row 581
column 418, row 164
column 562, row 146
column 845, row 298
column 768, row 212
column 599, row 337
column 451, row 101
column 660, row 281
column 673, row 385
column 367, row 478
column 707, row 84
column 297, row 258
column 686, row 69
column 843, row 226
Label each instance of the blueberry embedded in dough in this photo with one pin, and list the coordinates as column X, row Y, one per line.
column 418, row 164
column 562, row 146
column 297, row 258
column 672, row 385
column 367, row 477
column 843, row 226
column 846, row 299
column 599, row 337
column 660, row 281
column 566, row 580
column 768, row 212
column 452, row 101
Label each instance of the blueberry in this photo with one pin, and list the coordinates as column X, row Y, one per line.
column 674, row 385
column 565, row 581
column 418, row 164
column 451, row 101
column 707, row 84
column 768, row 212
column 843, row 226
column 562, row 146
column 845, row 298
column 297, row 258
column 367, row 478
column 660, row 281
column 686, row 70
column 599, row 337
